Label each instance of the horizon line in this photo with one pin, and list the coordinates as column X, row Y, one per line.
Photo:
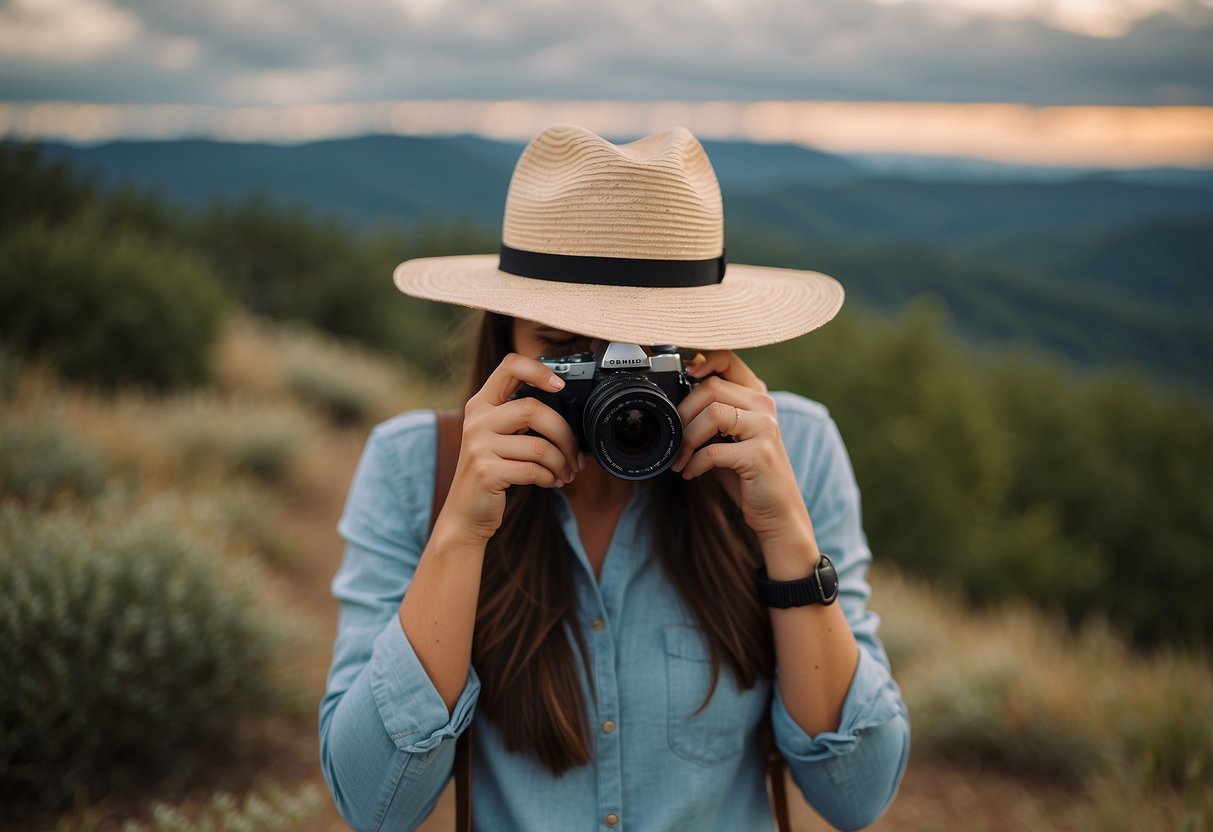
column 1046, row 136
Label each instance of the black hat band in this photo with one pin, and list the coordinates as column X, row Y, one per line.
column 612, row 271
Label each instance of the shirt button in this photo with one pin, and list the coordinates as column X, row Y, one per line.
column 608, row 726
column 597, row 623
column 611, row 819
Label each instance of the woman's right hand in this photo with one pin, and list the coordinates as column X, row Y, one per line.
column 497, row 452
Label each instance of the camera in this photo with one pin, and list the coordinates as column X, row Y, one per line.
column 622, row 405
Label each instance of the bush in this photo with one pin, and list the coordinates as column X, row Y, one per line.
column 340, row 387
column 128, row 654
column 1014, row 477
column 1124, row 475
column 929, row 452
column 267, row 808
column 11, row 370
column 288, row 263
column 33, row 188
column 270, row 810
column 250, row 517
column 41, row 461
column 194, row 438
column 347, row 383
column 1017, row 689
column 267, row 440
column 108, row 307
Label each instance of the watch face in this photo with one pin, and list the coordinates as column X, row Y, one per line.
column 827, row 580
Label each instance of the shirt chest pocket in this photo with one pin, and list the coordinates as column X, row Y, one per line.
column 706, row 734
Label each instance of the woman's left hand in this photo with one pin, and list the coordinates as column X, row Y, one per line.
column 754, row 468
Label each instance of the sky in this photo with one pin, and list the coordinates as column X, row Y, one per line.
column 194, row 64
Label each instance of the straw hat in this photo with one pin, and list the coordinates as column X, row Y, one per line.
column 625, row 242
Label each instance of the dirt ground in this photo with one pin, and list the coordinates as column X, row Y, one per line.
column 935, row 794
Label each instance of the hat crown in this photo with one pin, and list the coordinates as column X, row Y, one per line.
column 575, row 193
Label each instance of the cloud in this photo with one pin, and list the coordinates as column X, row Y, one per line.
column 64, row 31
column 231, row 52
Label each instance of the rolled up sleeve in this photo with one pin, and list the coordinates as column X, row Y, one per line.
column 850, row 775
column 410, row 708
column 386, row 737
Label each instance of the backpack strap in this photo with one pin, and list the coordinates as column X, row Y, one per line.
column 776, row 766
column 450, row 437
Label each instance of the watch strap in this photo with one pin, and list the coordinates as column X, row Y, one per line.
column 798, row 593
column 785, row 594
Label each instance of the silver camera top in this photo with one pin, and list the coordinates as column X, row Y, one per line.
column 621, row 356
column 617, row 355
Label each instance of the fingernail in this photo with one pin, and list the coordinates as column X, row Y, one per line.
column 555, row 382
column 580, row 462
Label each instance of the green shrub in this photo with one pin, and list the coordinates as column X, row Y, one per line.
column 67, row 439
column 128, row 654
column 267, row 808
column 1016, row 688
column 928, row 450
column 11, row 370
column 283, row 261
column 266, row 440
column 346, row 398
column 1165, row 720
column 32, row 188
column 1123, row 474
column 1128, row 801
column 249, row 516
column 271, row 809
column 1011, row 477
column 344, row 381
column 108, row 307
column 41, row 461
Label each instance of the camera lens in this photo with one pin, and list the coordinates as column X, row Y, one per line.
column 634, row 431
column 632, row 427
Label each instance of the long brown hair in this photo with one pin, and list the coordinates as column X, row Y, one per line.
column 528, row 642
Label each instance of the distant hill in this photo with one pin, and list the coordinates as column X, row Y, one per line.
column 745, row 167
column 778, row 187
column 371, row 179
column 397, row 178
column 1157, row 262
column 952, row 213
column 952, row 169
column 1105, row 268
column 1133, row 319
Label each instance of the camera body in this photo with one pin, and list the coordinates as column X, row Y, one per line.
column 622, row 405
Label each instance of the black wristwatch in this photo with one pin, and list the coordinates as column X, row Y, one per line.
column 821, row 587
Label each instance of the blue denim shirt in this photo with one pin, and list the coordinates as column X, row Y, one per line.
column 388, row 742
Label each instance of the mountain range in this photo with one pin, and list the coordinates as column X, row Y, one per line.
column 1105, row 268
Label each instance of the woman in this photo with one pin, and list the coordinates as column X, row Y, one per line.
column 619, row 642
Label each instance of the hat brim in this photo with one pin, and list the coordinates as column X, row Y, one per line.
column 752, row 307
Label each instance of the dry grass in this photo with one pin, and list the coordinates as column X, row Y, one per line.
column 277, row 389
column 1014, row 688
column 268, row 808
column 347, row 384
column 1009, row 688
column 189, row 439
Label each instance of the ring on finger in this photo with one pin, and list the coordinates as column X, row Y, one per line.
column 736, row 419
